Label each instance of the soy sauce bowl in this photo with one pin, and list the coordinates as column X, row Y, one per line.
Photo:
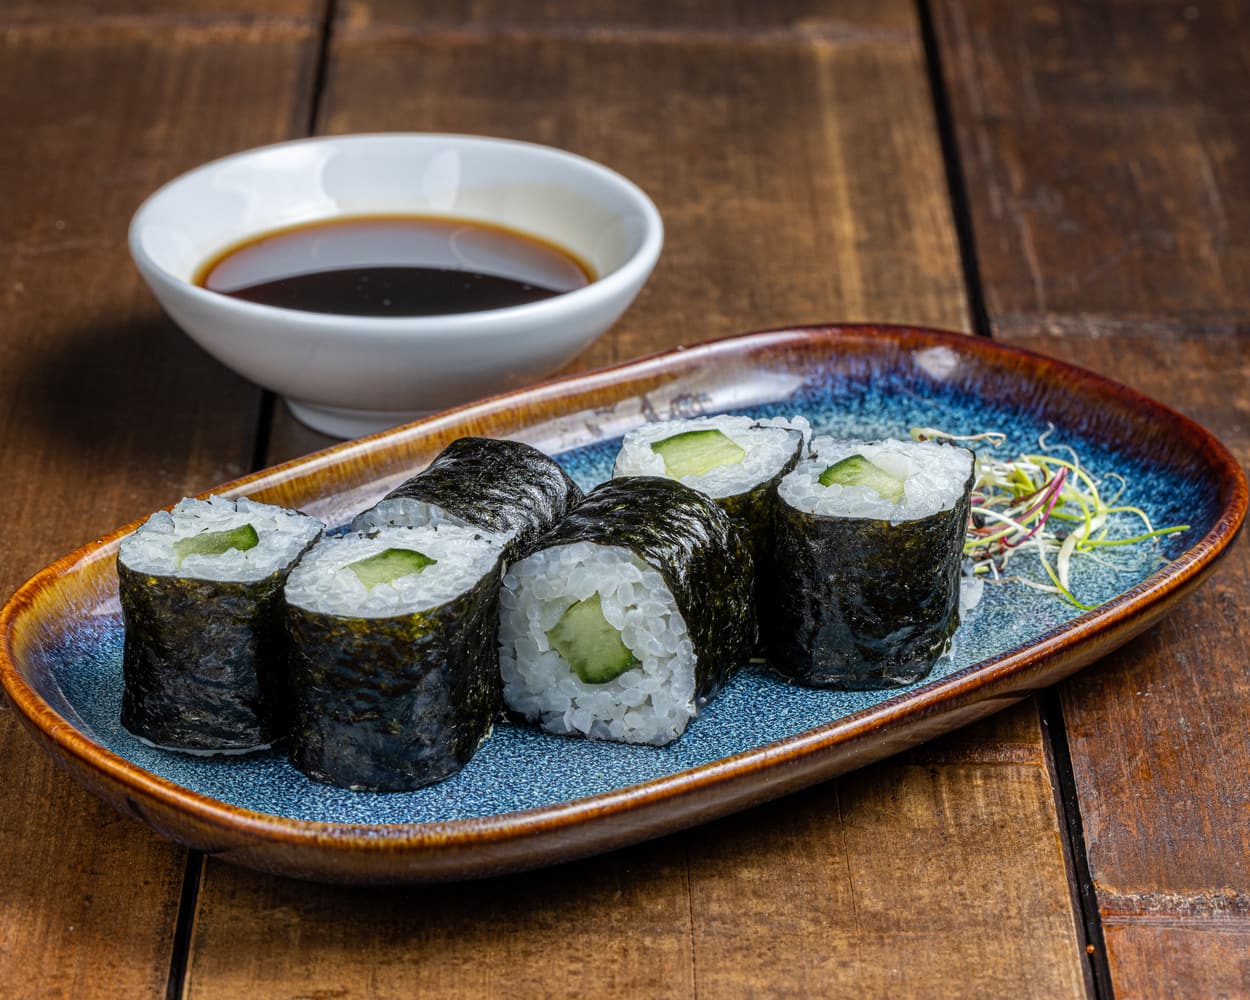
column 351, row 375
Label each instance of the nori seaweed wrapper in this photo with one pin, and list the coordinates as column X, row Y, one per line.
column 497, row 486
column 754, row 511
column 704, row 557
column 753, row 508
column 393, row 704
column 204, row 661
column 861, row 603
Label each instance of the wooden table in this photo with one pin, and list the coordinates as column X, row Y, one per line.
column 1067, row 176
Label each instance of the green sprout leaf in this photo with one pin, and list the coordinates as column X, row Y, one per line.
column 1045, row 505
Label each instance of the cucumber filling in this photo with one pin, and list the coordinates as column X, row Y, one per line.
column 215, row 543
column 589, row 644
column 856, row 470
column 389, row 565
column 694, row 453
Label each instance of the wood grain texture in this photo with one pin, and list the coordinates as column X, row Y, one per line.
column 793, row 155
column 617, row 926
column 749, row 22
column 107, row 413
column 889, row 882
column 820, row 895
column 1164, row 963
column 149, row 16
column 1103, row 147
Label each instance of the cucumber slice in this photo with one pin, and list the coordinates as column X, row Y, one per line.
column 855, row 470
column 591, row 646
column 389, row 565
column 695, row 452
column 214, row 543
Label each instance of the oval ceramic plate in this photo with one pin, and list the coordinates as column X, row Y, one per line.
column 529, row 799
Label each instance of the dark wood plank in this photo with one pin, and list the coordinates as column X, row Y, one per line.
column 1102, row 146
column 682, row 20
column 1161, row 963
column 891, row 882
column 145, row 16
column 798, row 171
column 106, row 412
column 615, row 929
column 1105, row 147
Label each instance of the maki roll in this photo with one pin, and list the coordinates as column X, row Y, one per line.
column 628, row 616
column 737, row 461
column 393, row 670
column 204, row 661
column 869, row 546
column 501, row 487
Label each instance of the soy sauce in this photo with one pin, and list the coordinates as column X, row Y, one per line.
column 395, row 265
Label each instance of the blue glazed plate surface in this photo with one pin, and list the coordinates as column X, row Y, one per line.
column 860, row 382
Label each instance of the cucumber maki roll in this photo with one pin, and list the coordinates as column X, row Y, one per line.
column 393, row 670
column 628, row 616
column 204, row 661
column 869, row 547
column 737, row 461
column 502, row 487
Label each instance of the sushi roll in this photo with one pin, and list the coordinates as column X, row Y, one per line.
column 628, row 616
column 737, row 461
column 501, row 487
column 204, row 660
column 393, row 671
column 869, row 548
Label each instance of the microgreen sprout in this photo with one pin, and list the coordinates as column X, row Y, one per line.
column 1049, row 506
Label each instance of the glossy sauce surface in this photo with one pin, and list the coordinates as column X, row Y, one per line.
column 401, row 265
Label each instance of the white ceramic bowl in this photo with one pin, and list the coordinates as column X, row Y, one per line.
column 351, row 375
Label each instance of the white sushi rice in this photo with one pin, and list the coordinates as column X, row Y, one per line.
column 795, row 423
column 281, row 536
column 768, row 445
column 650, row 703
column 324, row 583
column 933, row 478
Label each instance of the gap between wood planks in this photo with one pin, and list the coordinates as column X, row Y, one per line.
column 1054, row 732
column 193, row 877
